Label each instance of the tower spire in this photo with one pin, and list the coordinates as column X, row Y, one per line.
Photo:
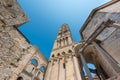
column 64, row 37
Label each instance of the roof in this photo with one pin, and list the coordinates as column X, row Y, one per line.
column 93, row 12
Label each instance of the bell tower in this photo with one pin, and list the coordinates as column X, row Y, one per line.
column 63, row 64
column 64, row 37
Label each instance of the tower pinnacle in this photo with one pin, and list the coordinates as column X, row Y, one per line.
column 64, row 37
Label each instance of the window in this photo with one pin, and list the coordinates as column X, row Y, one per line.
column 58, row 54
column 63, row 41
column 53, row 55
column 67, row 41
column 42, row 68
column 64, row 65
column 34, row 62
column 60, row 42
column 20, row 78
column 70, row 51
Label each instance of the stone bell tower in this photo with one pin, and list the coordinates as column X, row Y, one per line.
column 63, row 64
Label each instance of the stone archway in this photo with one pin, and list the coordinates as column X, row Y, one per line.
column 91, row 56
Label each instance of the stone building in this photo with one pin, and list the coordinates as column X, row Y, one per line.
column 100, row 46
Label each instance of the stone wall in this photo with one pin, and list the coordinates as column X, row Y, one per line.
column 11, row 13
column 15, row 49
column 32, row 71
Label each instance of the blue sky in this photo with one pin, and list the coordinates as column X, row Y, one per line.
column 47, row 16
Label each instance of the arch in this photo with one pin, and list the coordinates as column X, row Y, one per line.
column 63, row 53
column 53, row 55
column 63, row 41
column 76, row 47
column 92, row 69
column 42, row 68
column 69, row 51
column 37, row 57
column 58, row 54
column 20, row 78
column 66, row 40
column 60, row 42
column 34, row 62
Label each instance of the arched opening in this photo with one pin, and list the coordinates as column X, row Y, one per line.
column 58, row 54
column 42, row 68
column 60, row 43
column 67, row 41
column 63, row 41
column 34, row 62
column 69, row 51
column 20, row 78
column 93, row 71
column 53, row 56
column 63, row 53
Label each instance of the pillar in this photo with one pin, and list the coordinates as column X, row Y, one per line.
column 65, row 67
column 86, row 67
column 49, row 70
column 77, row 68
column 58, row 68
column 75, row 77
column 52, row 62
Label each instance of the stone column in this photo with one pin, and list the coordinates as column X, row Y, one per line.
column 49, row 70
column 58, row 68
column 77, row 68
column 75, row 77
column 65, row 66
column 86, row 67
column 34, row 73
column 52, row 62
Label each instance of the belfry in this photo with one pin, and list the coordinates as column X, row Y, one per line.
column 63, row 63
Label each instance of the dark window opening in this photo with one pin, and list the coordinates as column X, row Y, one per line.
column 64, row 65
column 20, row 78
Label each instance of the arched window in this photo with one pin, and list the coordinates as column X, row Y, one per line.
column 34, row 62
column 60, row 42
column 58, row 54
column 20, row 78
column 67, row 41
column 53, row 55
column 69, row 51
column 63, row 53
column 63, row 41
column 42, row 68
